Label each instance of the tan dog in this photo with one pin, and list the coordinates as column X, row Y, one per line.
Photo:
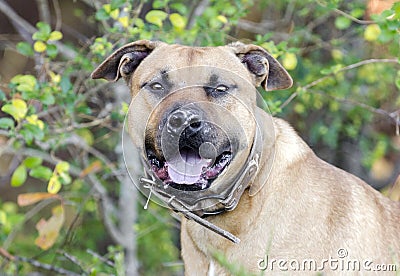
column 291, row 210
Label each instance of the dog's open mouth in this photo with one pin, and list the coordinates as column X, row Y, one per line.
column 189, row 172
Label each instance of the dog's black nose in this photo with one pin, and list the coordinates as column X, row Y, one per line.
column 187, row 120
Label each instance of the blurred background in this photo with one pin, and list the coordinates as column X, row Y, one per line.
column 67, row 205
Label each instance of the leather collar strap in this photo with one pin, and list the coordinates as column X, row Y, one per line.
column 214, row 204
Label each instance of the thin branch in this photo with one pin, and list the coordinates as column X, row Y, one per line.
column 107, row 210
column 21, row 25
column 44, row 11
column 75, row 261
column 101, row 258
column 57, row 11
column 26, row 30
column 36, row 263
column 96, row 122
column 354, row 19
column 74, row 171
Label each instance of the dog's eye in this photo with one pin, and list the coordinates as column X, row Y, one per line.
column 222, row 88
column 156, row 86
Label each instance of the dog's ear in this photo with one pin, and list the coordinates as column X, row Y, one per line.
column 124, row 61
column 267, row 71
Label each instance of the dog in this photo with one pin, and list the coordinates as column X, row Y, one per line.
column 203, row 135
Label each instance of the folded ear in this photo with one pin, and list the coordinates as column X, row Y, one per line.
column 267, row 71
column 124, row 61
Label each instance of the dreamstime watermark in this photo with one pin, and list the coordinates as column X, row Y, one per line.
column 341, row 262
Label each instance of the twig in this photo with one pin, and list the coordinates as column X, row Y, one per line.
column 57, row 11
column 352, row 18
column 26, row 30
column 44, row 11
column 72, row 127
column 108, row 209
column 101, row 258
column 75, row 261
column 74, row 171
column 22, row 26
column 36, row 263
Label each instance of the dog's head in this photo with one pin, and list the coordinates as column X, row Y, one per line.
column 192, row 109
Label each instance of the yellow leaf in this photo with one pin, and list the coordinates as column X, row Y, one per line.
column 33, row 119
column 222, row 18
column 337, row 54
column 56, row 78
column 50, row 229
column 56, row 35
column 114, row 14
column 107, row 8
column 32, row 198
column 3, row 217
column 39, row 46
column 289, row 61
column 124, row 21
column 54, row 185
column 372, row 32
column 21, row 108
column 177, row 21
column 62, row 167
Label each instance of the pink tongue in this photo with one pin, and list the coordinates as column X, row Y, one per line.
column 187, row 167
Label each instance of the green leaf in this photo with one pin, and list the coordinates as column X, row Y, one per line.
column 47, row 98
column 159, row 4
column 41, row 172
column 43, row 27
column 332, row 70
column 36, row 132
column 156, row 17
column 52, row 50
column 6, row 123
column 28, row 136
column 19, row 176
column 179, row 7
column 115, row 4
column 2, row 95
column 32, row 162
column 65, row 178
column 39, row 36
column 65, row 84
column 43, row 32
column 102, row 15
column 342, row 22
column 139, row 23
column 25, row 48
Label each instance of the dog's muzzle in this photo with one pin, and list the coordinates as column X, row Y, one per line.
column 196, row 205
